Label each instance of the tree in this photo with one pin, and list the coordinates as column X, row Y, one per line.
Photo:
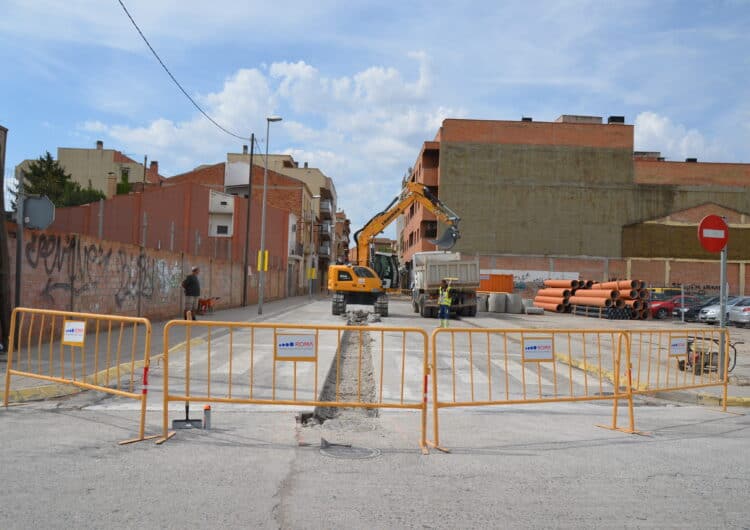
column 45, row 176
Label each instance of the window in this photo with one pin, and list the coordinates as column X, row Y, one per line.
column 363, row 272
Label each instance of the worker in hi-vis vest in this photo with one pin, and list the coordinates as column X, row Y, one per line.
column 444, row 302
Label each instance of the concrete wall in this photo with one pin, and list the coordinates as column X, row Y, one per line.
column 562, row 200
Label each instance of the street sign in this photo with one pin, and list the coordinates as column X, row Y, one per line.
column 713, row 233
column 38, row 212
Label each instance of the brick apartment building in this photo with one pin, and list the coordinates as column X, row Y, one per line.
column 572, row 196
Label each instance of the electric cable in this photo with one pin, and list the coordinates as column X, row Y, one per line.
column 173, row 77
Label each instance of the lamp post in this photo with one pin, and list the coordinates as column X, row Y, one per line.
column 262, row 253
column 247, row 220
column 312, row 246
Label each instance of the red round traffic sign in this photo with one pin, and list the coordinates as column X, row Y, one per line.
column 713, row 233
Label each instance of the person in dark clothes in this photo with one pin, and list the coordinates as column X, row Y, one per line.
column 192, row 287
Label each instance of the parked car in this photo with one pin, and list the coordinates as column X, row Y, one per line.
column 663, row 308
column 711, row 314
column 663, row 293
column 691, row 311
column 739, row 314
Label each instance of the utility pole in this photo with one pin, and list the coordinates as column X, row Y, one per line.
column 246, row 269
column 4, row 255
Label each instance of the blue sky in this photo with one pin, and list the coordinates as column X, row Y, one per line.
column 361, row 84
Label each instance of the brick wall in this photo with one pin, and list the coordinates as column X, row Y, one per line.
column 81, row 273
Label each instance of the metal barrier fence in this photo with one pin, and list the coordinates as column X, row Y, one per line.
column 479, row 367
column 677, row 359
column 86, row 350
column 365, row 367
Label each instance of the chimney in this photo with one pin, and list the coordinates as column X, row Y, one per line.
column 99, row 145
column 693, row 160
column 244, row 149
column 154, row 168
column 616, row 119
column 526, row 118
column 305, row 165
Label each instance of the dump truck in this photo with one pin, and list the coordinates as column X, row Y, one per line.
column 430, row 269
column 367, row 282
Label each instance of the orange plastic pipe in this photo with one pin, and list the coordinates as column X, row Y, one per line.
column 644, row 294
column 558, row 291
column 593, row 302
column 622, row 284
column 566, row 284
column 629, row 294
column 597, row 293
column 551, row 300
column 555, row 308
column 634, row 304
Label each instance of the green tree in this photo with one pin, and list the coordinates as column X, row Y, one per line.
column 45, row 176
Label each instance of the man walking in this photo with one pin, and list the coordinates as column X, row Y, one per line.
column 192, row 287
column 444, row 303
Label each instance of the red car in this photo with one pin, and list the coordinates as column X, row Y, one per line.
column 664, row 308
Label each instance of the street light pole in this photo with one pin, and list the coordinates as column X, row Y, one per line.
column 262, row 253
column 247, row 220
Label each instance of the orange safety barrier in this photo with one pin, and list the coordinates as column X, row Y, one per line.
column 672, row 360
column 480, row 367
column 85, row 350
column 364, row 367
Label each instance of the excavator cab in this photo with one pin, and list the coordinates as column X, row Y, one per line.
column 385, row 264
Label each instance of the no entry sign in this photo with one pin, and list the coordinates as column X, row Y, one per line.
column 713, row 233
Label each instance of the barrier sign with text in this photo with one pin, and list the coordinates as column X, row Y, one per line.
column 74, row 332
column 295, row 347
column 538, row 349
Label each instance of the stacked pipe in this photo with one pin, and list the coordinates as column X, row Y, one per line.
column 556, row 295
column 622, row 300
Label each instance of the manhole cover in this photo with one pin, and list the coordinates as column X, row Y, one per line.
column 344, row 451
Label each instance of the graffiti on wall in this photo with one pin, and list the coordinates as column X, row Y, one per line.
column 77, row 268
column 143, row 276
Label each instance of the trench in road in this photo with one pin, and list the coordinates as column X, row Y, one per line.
column 354, row 373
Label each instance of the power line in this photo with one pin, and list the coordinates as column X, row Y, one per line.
column 173, row 77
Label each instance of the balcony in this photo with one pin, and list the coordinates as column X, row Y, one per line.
column 324, row 250
column 326, row 231
column 326, row 209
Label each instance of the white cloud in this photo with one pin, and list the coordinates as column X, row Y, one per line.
column 654, row 132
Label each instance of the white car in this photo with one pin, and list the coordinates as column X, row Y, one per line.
column 711, row 314
column 739, row 315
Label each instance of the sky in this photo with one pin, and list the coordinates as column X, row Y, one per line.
column 361, row 84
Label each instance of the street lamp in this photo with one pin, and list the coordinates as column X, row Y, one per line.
column 262, row 253
column 312, row 246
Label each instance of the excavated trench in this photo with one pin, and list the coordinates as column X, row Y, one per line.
column 353, row 372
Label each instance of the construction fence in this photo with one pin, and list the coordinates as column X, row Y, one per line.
column 361, row 368
column 85, row 350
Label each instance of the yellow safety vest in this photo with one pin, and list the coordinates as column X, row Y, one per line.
column 445, row 296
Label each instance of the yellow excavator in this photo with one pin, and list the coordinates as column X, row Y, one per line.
column 367, row 281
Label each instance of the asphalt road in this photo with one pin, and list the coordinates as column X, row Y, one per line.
column 529, row 466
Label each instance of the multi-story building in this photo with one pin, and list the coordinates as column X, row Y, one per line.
column 343, row 231
column 573, row 188
column 102, row 169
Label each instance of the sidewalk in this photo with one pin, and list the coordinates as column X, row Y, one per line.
column 29, row 389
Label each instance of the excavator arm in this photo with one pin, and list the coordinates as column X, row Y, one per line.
column 412, row 193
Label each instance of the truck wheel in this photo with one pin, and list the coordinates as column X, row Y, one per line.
column 472, row 311
column 424, row 310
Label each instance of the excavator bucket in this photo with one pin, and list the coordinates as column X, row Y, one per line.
column 447, row 240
